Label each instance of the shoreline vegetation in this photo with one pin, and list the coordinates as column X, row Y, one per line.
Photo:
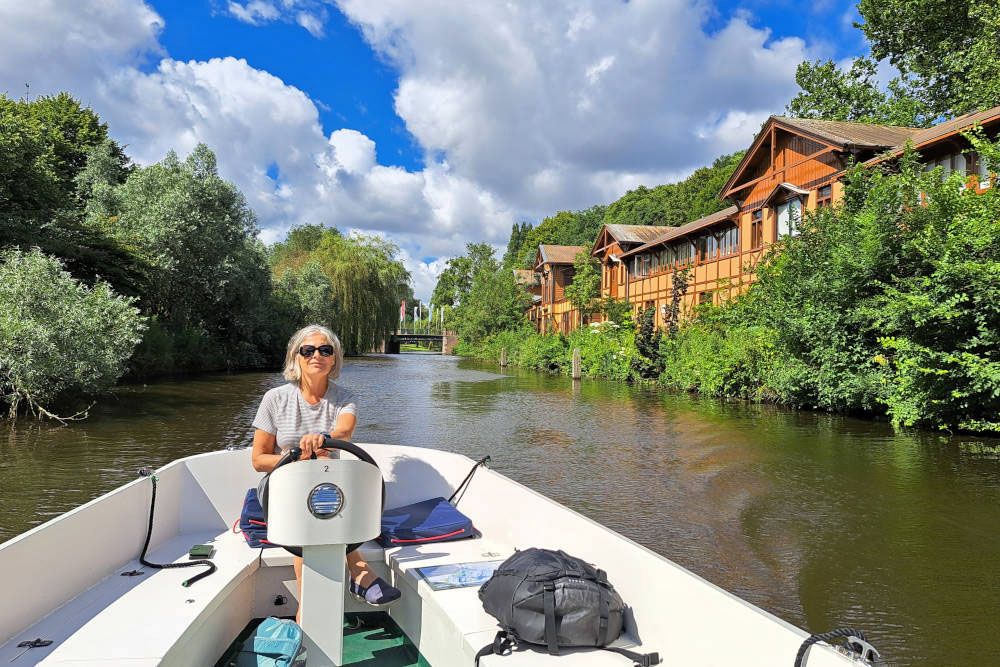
column 887, row 304
column 112, row 270
column 902, row 321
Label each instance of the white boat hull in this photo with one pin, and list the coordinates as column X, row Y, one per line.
column 64, row 582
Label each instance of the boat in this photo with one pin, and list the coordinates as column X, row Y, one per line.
column 76, row 581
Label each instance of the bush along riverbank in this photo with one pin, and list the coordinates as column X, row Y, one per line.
column 887, row 305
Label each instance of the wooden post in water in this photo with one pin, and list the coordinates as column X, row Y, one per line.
column 576, row 363
column 503, row 357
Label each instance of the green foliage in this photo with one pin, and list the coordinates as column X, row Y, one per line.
column 353, row 284
column 455, row 281
column 586, row 285
column 618, row 311
column 831, row 93
column 887, row 304
column 674, row 204
column 518, row 237
column 563, row 228
column 494, row 302
column 58, row 337
column 950, row 49
column 649, row 363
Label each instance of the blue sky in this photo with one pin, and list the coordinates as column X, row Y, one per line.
column 432, row 123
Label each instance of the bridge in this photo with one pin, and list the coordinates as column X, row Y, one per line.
column 435, row 337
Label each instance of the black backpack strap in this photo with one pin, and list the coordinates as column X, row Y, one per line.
column 549, row 602
column 501, row 645
column 640, row 659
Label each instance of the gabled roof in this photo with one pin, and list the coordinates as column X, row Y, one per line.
column 835, row 134
column 843, row 134
column 944, row 130
column 691, row 227
column 525, row 277
column 634, row 233
column 558, row 254
column 783, row 187
column 626, row 236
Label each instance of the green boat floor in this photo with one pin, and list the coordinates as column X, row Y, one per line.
column 371, row 639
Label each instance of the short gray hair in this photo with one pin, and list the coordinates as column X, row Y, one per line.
column 292, row 372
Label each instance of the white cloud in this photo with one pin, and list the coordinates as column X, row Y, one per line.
column 309, row 14
column 254, row 13
column 522, row 110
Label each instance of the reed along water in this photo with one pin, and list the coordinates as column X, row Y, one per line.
column 824, row 521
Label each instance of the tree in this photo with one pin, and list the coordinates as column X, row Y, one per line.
column 455, row 282
column 494, row 302
column 586, row 286
column 58, row 337
column 951, row 49
column 353, row 284
column 563, row 228
column 830, row 93
column 515, row 245
column 674, row 204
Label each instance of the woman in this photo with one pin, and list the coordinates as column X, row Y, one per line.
column 300, row 413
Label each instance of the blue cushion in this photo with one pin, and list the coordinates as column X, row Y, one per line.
column 434, row 520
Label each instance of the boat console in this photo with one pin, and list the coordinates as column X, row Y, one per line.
column 323, row 505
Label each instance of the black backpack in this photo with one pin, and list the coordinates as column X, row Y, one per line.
column 555, row 600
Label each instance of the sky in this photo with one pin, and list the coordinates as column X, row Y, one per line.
column 433, row 123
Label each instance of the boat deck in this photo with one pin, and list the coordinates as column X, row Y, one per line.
column 371, row 638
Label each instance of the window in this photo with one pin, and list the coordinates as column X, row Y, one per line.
column 983, row 172
column 789, row 217
column 729, row 241
column 756, row 229
column 824, row 196
column 685, row 252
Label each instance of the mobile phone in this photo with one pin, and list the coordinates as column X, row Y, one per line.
column 201, row 551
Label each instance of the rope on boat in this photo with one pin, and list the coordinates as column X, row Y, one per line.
column 856, row 643
column 146, row 472
column 461, row 487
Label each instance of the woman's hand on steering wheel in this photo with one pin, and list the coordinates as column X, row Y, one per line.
column 312, row 443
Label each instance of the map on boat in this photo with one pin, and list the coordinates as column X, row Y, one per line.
column 458, row 575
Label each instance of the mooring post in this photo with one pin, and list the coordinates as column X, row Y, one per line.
column 576, row 363
column 503, row 357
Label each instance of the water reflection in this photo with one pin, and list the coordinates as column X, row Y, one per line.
column 823, row 520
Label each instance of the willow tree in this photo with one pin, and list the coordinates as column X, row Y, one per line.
column 359, row 278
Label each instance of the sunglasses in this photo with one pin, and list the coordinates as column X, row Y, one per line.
column 309, row 350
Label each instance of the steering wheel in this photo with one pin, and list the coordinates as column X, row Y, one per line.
column 293, row 454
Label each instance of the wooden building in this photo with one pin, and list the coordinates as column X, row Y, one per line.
column 612, row 242
column 554, row 267
column 794, row 165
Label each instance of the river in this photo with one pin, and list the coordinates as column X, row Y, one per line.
column 823, row 520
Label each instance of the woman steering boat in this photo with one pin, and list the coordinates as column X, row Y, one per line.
column 302, row 413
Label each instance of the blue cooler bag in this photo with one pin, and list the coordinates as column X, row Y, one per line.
column 434, row 520
column 275, row 643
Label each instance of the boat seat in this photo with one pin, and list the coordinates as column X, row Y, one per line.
column 140, row 620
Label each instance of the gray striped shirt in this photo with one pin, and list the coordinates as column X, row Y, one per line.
column 286, row 414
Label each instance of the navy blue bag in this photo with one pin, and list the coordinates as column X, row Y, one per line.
column 252, row 523
column 434, row 520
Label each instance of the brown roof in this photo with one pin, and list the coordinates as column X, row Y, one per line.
column 525, row 277
column 634, row 233
column 945, row 129
column 676, row 232
column 559, row 254
column 844, row 134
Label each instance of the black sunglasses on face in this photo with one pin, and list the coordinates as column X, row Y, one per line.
column 309, row 350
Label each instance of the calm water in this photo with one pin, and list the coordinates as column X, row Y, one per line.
column 821, row 520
